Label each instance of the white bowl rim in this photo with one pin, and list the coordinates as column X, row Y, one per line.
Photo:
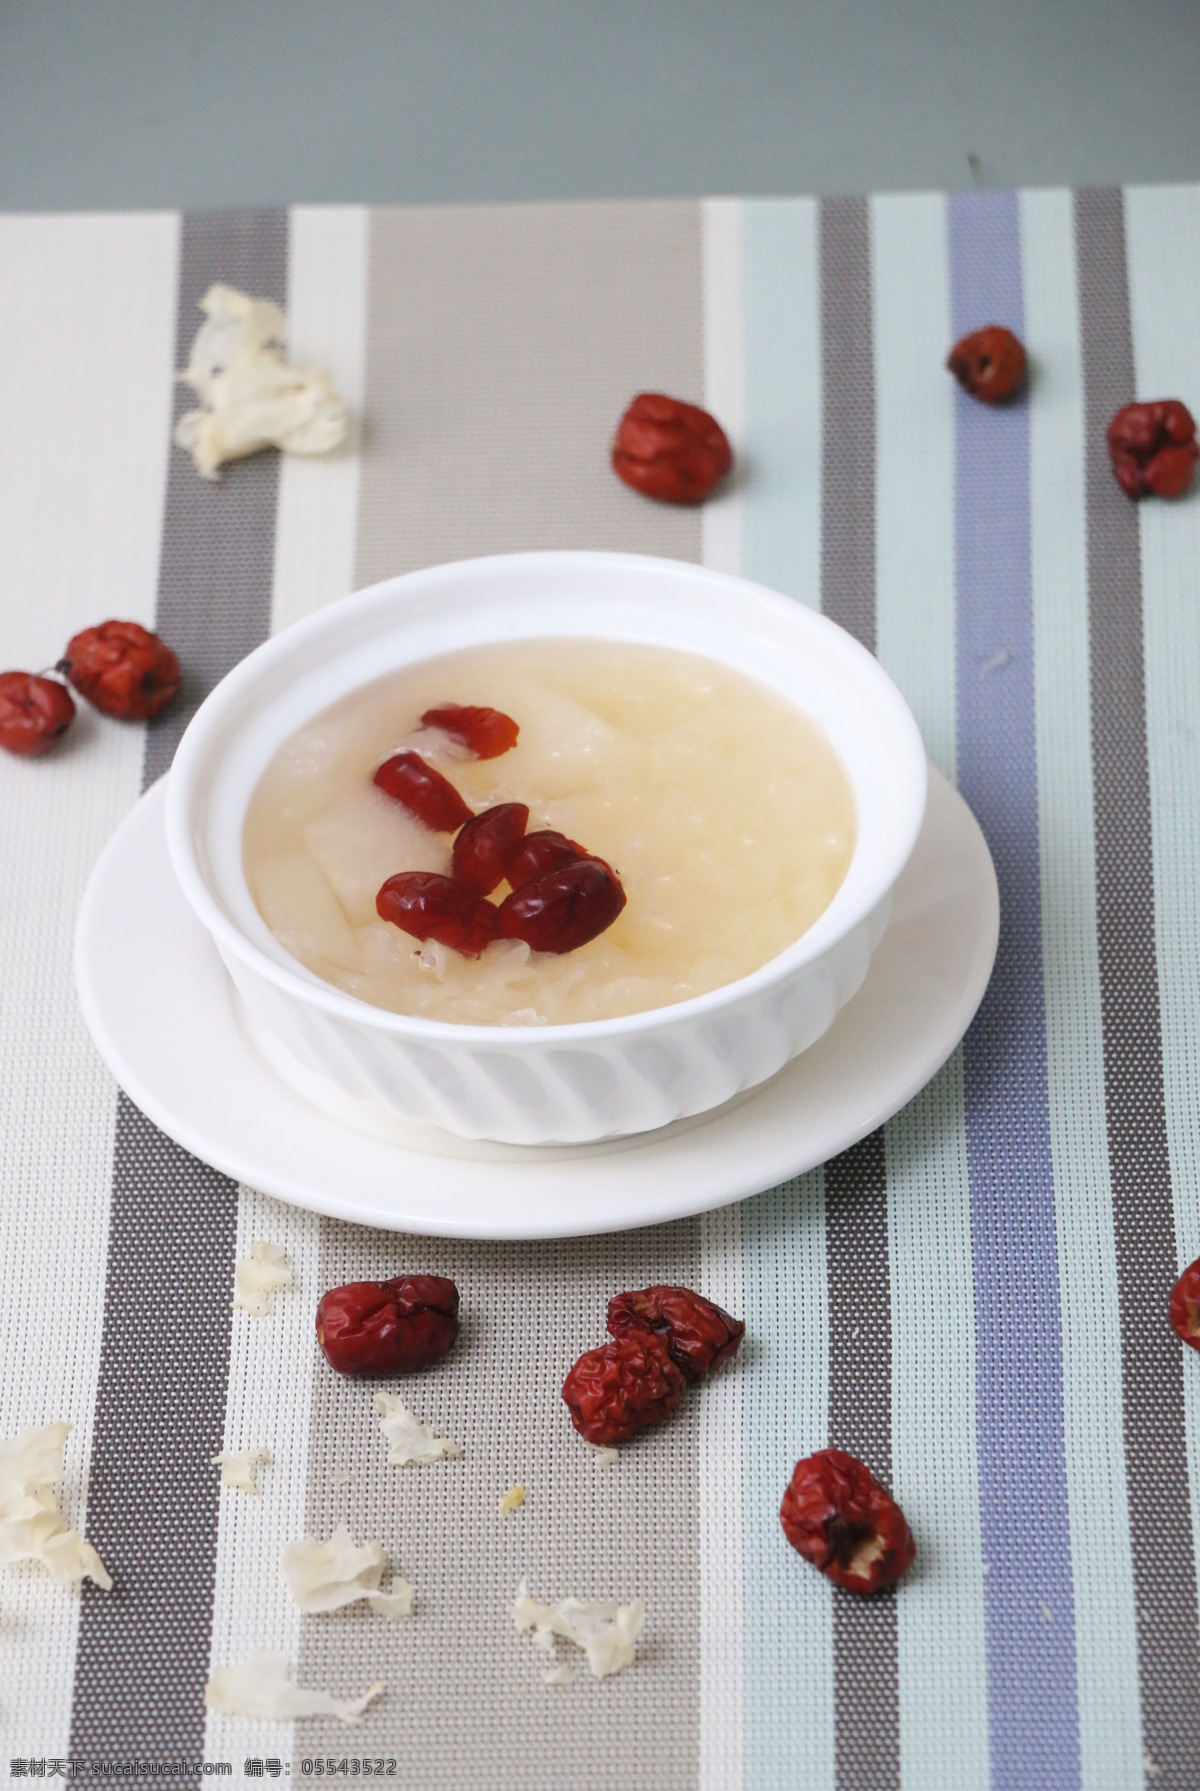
column 189, row 758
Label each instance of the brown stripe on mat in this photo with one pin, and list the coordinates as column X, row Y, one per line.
column 848, row 419
column 464, row 1695
column 502, row 346
column 1152, row 1372
column 152, row 1497
column 865, row 1667
column 506, row 341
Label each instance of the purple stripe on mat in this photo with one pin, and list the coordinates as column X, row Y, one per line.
column 1152, row 1370
column 1029, row 1609
column 865, row 1666
column 143, row 1649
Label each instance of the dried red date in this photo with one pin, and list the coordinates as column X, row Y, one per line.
column 424, row 792
column 670, row 450
column 430, row 906
column 388, row 1327
column 990, row 364
column 561, row 910
column 1153, row 448
column 34, row 713
column 544, row 850
column 836, row 1514
column 1185, row 1305
column 485, row 732
column 122, row 669
column 486, row 846
column 619, row 1388
column 697, row 1334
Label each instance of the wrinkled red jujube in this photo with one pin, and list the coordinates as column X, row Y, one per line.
column 698, row 1335
column 621, row 1387
column 423, row 791
column 34, row 713
column 561, row 910
column 990, row 364
column 122, row 669
column 388, row 1327
column 485, row 732
column 1153, row 448
column 429, row 906
column 1185, row 1305
column 486, row 846
column 670, row 450
column 544, row 850
column 836, row 1514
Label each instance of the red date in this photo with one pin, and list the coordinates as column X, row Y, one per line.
column 698, row 1335
column 122, row 669
column 34, row 713
column 561, row 910
column 423, row 791
column 836, row 1514
column 544, row 850
column 670, row 450
column 430, row 906
column 486, row 846
column 990, row 364
column 1185, row 1305
column 1153, row 448
column 616, row 1390
column 485, row 732
column 388, row 1327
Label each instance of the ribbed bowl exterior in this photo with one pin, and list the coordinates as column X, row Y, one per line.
column 548, row 1085
column 536, row 1090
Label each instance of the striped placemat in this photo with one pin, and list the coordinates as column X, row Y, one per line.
column 972, row 1299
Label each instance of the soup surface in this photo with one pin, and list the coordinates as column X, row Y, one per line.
column 724, row 810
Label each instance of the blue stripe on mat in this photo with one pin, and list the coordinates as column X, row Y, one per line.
column 1030, row 1621
column 789, row 1691
column 789, row 1729
column 781, row 501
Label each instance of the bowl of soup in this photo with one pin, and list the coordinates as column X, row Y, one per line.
column 745, row 771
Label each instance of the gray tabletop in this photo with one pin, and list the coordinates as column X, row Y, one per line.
column 235, row 102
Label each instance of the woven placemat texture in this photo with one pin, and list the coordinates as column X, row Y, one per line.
column 973, row 1299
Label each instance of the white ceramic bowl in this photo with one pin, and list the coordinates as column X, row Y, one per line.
column 554, row 1084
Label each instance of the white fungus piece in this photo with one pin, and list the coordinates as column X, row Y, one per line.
column 606, row 1632
column 325, row 1576
column 512, row 1501
column 606, row 1456
column 250, row 396
column 559, row 1675
column 263, row 1686
column 237, row 1467
column 411, row 1442
column 260, row 1275
column 32, row 1526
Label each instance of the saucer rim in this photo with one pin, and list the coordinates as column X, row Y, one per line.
column 618, row 1185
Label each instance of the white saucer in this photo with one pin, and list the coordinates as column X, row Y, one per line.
column 165, row 1018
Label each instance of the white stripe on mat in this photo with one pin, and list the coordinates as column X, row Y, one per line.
column 271, row 1360
column 87, row 325
column 318, row 498
column 721, row 1577
column 1102, row 1566
column 724, row 373
column 942, row 1665
column 1163, row 238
